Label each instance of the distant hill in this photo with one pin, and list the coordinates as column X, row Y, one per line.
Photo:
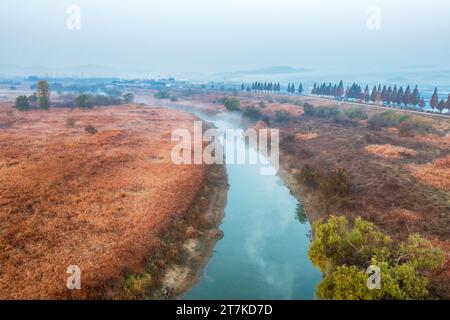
column 262, row 71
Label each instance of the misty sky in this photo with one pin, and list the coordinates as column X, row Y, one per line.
column 208, row 36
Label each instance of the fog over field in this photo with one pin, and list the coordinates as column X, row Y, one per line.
column 203, row 38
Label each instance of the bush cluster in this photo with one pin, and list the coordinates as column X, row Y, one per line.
column 344, row 253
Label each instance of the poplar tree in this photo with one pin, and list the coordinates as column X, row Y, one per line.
column 389, row 95
column 441, row 105
column 366, row 94
column 415, row 96
column 43, row 94
column 399, row 97
column 394, row 94
column 407, row 98
column 434, row 99
column 373, row 95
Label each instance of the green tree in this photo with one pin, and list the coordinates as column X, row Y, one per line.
column 309, row 109
column 434, row 99
column 389, row 95
column 366, row 94
column 340, row 90
column 335, row 243
column 282, row 116
column 32, row 99
column 350, row 283
column 252, row 112
column 373, row 95
column 399, row 97
column 407, row 97
column 422, row 103
column 83, row 101
column 43, row 94
column 441, row 105
column 232, row 104
column 415, row 97
column 128, row 97
column 22, row 103
column 343, row 252
column 394, row 94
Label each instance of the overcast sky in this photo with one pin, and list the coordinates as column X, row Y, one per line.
column 207, row 36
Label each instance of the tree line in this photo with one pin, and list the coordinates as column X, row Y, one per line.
column 41, row 99
column 379, row 94
column 258, row 86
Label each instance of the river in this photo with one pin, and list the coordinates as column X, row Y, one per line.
column 263, row 254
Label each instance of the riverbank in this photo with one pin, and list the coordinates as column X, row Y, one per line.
column 188, row 246
column 97, row 189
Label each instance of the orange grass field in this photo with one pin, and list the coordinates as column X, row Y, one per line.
column 436, row 174
column 389, row 151
column 100, row 201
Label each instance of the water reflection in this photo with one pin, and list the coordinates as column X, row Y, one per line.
column 263, row 254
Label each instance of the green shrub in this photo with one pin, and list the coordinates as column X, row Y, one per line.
column 128, row 97
column 308, row 176
column 266, row 120
column 232, row 104
column 252, row 112
column 103, row 100
column 405, row 129
column 262, row 104
column 343, row 253
column 356, row 113
column 83, row 101
column 162, row 95
column 420, row 125
column 300, row 213
column 327, row 112
column 22, row 103
column 90, row 129
column 284, row 100
column 335, row 188
column 309, row 109
column 388, row 118
column 220, row 100
column 403, row 122
column 282, row 116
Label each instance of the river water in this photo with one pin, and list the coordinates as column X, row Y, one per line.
column 263, row 254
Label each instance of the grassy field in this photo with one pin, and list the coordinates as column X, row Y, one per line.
column 96, row 189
